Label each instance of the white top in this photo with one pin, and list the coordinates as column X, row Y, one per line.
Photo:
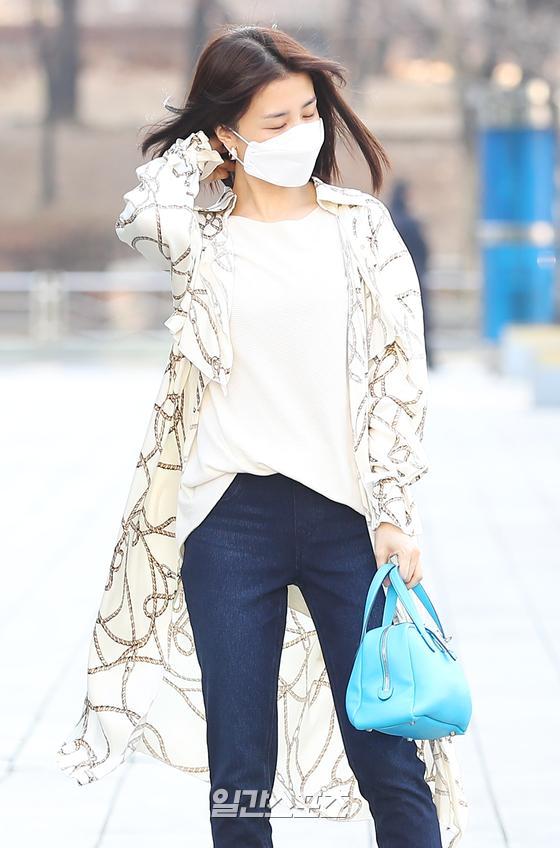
column 289, row 316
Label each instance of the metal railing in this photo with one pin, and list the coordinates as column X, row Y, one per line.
column 50, row 312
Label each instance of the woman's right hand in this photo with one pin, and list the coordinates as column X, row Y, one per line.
column 166, row 231
column 220, row 172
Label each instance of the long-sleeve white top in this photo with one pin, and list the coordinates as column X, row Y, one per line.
column 288, row 319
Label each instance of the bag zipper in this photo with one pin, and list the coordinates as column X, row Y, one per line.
column 384, row 660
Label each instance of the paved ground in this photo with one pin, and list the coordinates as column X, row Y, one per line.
column 491, row 514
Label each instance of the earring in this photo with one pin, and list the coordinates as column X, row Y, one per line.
column 233, row 152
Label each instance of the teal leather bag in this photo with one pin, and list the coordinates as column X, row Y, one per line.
column 405, row 680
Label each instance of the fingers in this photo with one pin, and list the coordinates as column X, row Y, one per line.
column 409, row 565
column 410, row 568
column 229, row 165
column 221, row 172
column 415, row 575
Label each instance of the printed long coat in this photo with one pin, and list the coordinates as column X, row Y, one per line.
column 143, row 688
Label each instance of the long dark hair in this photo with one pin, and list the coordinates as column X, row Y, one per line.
column 235, row 64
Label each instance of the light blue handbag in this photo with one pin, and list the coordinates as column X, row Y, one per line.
column 405, row 680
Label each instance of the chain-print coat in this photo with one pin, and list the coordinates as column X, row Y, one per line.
column 143, row 678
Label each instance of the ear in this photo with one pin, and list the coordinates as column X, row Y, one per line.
column 224, row 135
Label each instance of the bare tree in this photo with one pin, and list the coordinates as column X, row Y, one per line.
column 206, row 15
column 58, row 54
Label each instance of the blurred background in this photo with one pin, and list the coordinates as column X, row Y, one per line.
column 464, row 96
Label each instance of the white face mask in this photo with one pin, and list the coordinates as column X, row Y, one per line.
column 286, row 159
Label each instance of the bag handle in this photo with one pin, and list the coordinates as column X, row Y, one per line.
column 391, row 605
column 402, row 592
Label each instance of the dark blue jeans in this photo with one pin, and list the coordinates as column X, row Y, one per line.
column 265, row 532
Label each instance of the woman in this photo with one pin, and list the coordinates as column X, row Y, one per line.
column 280, row 455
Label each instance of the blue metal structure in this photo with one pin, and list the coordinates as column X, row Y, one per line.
column 517, row 151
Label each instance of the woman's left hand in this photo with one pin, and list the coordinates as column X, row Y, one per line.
column 389, row 540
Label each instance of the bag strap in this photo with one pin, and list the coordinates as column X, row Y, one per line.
column 402, row 591
column 404, row 595
column 374, row 587
column 391, row 605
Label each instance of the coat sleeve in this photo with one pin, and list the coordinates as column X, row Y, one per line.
column 398, row 384
column 159, row 219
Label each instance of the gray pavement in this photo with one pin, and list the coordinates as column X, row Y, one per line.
column 491, row 513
